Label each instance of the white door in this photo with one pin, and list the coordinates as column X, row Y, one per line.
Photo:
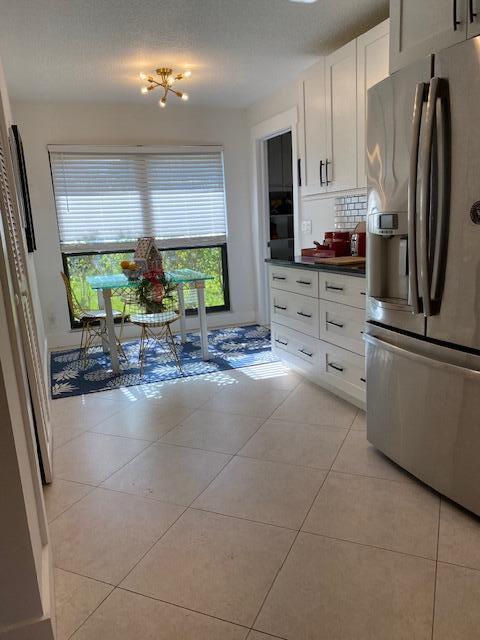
column 421, row 27
column 372, row 67
column 17, row 262
column 312, row 97
column 341, row 117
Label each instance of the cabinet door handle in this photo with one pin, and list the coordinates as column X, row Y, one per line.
column 332, row 287
column 305, row 315
column 471, row 13
column 306, row 353
column 335, row 366
column 363, row 379
column 321, row 173
column 277, row 306
column 335, row 324
column 363, row 293
column 304, row 282
column 281, row 342
column 279, row 278
column 327, row 181
column 456, row 22
column 299, row 169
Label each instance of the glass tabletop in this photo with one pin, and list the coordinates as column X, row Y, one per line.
column 120, row 281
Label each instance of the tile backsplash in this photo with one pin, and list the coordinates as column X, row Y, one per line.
column 349, row 211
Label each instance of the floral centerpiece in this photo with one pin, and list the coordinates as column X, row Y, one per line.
column 155, row 290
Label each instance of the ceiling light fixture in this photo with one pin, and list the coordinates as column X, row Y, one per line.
column 166, row 80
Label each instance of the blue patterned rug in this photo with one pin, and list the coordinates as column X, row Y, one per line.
column 230, row 348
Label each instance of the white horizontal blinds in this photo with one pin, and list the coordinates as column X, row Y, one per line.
column 98, row 197
column 111, row 199
column 187, row 195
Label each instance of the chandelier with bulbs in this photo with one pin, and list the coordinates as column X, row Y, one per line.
column 166, row 80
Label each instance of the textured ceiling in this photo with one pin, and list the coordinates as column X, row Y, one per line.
column 238, row 50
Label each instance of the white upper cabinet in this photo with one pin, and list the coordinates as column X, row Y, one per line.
column 341, row 118
column 333, row 95
column 473, row 18
column 312, row 96
column 421, row 27
column 372, row 67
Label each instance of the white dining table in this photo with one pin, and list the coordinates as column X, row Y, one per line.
column 113, row 284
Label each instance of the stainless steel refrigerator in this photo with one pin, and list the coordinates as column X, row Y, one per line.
column 423, row 275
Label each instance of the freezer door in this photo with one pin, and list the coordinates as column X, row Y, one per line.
column 423, row 412
column 394, row 122
column 457, row 320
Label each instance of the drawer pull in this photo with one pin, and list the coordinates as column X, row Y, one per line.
column 277, row 306
column 281, row 342
column 363, row 379
column 335, row 324
column 306, row 353
column 279, row 278
column 305, row 315
column 332, row 287
column 335, row 366
column 304, row 282
column 363, row 293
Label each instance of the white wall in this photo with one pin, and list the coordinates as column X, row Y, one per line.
column 54, row 123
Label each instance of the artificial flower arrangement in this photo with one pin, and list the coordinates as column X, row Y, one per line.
column 155, row 290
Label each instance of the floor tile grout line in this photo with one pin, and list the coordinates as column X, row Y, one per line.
column 369, row 546
column 436, row 566
column 363, row 475
column 143, row 556
column 184, row 608
column 176, row 520
column 227, row 515
column 91, row 488
column 297, row 534
column 97, row 607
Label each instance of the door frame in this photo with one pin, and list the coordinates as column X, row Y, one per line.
column 284, row 122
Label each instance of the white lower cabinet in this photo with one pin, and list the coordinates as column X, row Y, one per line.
column 322, row 338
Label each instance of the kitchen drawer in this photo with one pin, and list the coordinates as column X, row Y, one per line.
column 295, row 311
column 342, row 325
column 343, row 365
column 305, row 352
column 338, row 287
column 303, row 281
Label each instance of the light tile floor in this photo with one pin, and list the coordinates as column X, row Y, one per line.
column 248, row 505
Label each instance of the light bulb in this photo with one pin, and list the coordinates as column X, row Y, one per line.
column 170, row 80
column 162, row 102
column 142, row 76
column 187, row 74
column 144, row 89
column 184, row 96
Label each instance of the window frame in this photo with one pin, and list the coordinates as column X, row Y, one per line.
column 188, row 312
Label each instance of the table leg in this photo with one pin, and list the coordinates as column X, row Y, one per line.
column 202, row 316
column 112, row 342
column 181, row 309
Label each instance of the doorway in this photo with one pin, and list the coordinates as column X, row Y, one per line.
column 280, row 196
column 275, row 201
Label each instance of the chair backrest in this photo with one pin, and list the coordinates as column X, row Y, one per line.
column 74, row 305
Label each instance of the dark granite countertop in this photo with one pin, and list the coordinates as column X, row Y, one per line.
column 302, row 263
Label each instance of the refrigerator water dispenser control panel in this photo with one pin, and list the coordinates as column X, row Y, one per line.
column 387, row 224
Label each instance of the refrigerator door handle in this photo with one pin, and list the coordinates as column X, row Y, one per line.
column 412, row 197
column 443, row 200
column 425, row 177
column 421, row 359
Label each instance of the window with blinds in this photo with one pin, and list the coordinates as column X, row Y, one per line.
column 109, row 199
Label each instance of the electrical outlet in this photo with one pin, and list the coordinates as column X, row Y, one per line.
column 307, row 226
